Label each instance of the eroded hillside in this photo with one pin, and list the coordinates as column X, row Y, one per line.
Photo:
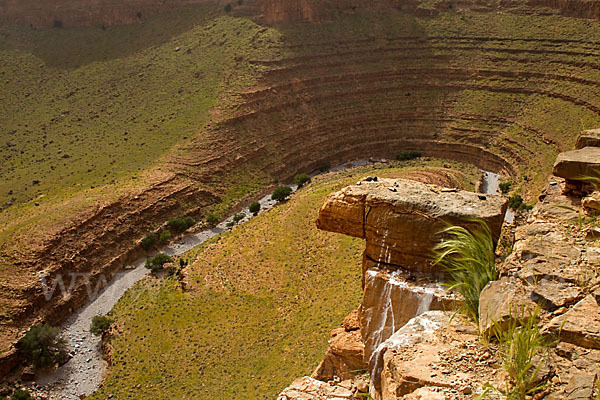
column 249, row 105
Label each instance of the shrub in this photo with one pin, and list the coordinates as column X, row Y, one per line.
column 165, row 236
column 505, row 186
column 254, row 207
column 212, row 219
column 516, row 203
column 468, row 257
column 100, row 323
column 325, row 166
column 58, row 23
column 522, row 346
column 43, row 346
column 21, row 395
column 138, row 14
column 149, row 241
column 230, row 224
column 281, row 193
column 301, row 179
column 238, row 217
column 156, row 263
column 408, row 155
column 227, row 8
column 181, row 224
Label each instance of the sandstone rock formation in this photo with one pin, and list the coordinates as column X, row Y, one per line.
column 391, row 299
column 576, row 165
column 431, row 354
column 589, row 138
column 312, row 389
column 401, row 219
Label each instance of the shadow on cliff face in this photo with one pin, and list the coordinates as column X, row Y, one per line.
column 75, row 47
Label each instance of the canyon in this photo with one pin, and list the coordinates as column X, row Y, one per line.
column 331, row 81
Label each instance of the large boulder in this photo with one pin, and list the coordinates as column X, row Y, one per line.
column 580, row 325
column 576, row 165
column 401, row 219
column 437, row 354
column 501, row 301
column 589, row 138
column 391, row 299
column 344, row 357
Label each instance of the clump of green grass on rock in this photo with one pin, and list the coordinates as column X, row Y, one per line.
column 21, row 395
column 468, row 257
column 43, row 346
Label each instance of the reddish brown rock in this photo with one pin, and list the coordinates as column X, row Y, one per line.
column 434, row 354
column 502, row 300
column 401, row 219
column 312, row 389
column 344, row 357
column 580, row 325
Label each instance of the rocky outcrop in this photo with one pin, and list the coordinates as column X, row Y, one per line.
column 589, row 138
column 307, row 388
column 580, row 325
column 578, row 166
column 434, row 354
column 391, row 299
column 345, row 356
column 401, row 219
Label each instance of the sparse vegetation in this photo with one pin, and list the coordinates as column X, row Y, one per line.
column 408, row 155
column 228, row 8
column 524, row 350
column 100, row 324
column 20, row 394
column 281, row 193
column 165, row 236
column 505, row 187
column 325, row 166
column 212, row 219
column 301, row 179
column 181, row 224
column 516, row 203
column 157, row 262
column 468, row 257
column 254, row 208
column 238, row 217
column 43, row 346
column 149, row 241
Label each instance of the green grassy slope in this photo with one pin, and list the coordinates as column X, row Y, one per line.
column 262, row 300
column 90, row 106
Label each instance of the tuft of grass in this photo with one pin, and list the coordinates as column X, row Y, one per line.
column 524, row 350
column 468, row 257
column 99, row 325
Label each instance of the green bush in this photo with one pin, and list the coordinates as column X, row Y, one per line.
column 301, row 179
column 100, row 323
column 325, row 166
column 254, row 207
column 238, row 217
column 408, row 155
column 228, row 8
column 43, row 346
column 149, row 241
column 516, row 203
column 165, row 236
column 505, row 186
column 212, row 219
column 181, row 224
column 21, row 395
column 281, row 193
column 468, row 258
column 156, row 263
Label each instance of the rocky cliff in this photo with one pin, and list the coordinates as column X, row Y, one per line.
column 552, row 275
